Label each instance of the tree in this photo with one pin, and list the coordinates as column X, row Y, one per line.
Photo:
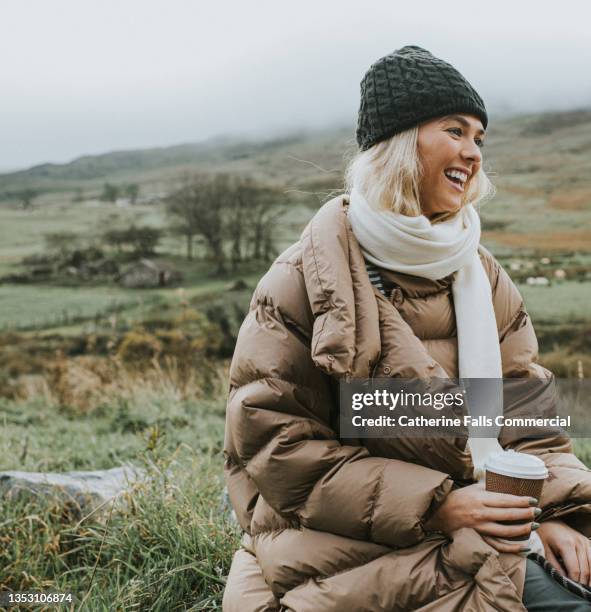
column 62, row 242
column 197, row 207
column 110, row 193
column 265, row 214
column 252, row 220
column 144, row 240
column 181, row 230
column 179, row 207
column 240, row 202
column 132, row 191
column 115, row 238
column 25, row 197
column 141, row 240
column 222, row 208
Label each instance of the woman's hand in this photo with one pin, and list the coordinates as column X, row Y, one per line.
column 567, row 549
column 473, row 506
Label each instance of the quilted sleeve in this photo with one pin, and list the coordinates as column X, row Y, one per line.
column 277, row 430
column 567, row 491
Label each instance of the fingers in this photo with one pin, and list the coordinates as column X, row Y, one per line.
column 510, row 514
column 553, row 560
column 571, row 562
column 505, row 500
column 505, row 531
column 506, row 547
column 583, row 562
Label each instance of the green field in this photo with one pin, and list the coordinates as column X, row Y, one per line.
column 50, row 307
column 567, row 301
column 22, row 232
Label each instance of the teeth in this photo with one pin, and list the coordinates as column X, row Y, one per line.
column 462, row 176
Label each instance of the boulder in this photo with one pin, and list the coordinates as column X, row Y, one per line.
column 148, row 273
column 81, row 491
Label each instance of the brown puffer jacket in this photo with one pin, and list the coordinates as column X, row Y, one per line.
column 335, row 526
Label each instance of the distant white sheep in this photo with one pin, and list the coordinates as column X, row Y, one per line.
column 537, row 280
column 560, row 274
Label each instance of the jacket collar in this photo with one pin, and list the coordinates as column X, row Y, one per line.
column 346, row 333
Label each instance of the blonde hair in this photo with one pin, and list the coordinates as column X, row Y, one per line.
column 388, row 174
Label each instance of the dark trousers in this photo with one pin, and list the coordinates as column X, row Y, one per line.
column 543, row 594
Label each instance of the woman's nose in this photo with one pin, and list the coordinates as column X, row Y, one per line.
column 472, row 152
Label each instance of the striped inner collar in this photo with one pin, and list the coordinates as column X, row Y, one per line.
column 375, row 277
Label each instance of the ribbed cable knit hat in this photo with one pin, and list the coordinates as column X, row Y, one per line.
column 408, row 86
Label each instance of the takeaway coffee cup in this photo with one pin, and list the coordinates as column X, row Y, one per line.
column 517, row 474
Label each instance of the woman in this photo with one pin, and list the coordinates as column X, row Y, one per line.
column 391, row 524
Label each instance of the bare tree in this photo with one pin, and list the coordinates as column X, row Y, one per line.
column 252, row 220
column 226, row 208
column 266, row 212
column 179, row 228
column 197, row 206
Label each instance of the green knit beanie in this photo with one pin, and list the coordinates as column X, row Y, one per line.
column 407, row 87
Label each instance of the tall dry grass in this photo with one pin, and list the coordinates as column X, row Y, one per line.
column 86, row 382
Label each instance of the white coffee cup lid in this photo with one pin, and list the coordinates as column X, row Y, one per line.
column 517, row 465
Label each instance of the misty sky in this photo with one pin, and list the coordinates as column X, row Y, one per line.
column 90, row 76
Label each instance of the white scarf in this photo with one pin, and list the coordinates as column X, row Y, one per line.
column 412, row 245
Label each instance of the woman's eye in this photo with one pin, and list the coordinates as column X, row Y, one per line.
column 458, row 132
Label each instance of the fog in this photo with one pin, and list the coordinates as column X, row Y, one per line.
column 82, row 77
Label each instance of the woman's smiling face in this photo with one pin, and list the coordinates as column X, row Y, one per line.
column 449, row 150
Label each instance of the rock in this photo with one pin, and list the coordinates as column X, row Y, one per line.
column 238, row 285
column 226, row 508
column 148, row 273
column 80, row 490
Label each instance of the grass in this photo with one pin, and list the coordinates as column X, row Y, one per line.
column 573, row 199
column 22, row 232
column 582, row 448
column 109, row 434
column 48, row 307
column 568, row 300
column 45, row 306
column 549, row 241
column 169, row 547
